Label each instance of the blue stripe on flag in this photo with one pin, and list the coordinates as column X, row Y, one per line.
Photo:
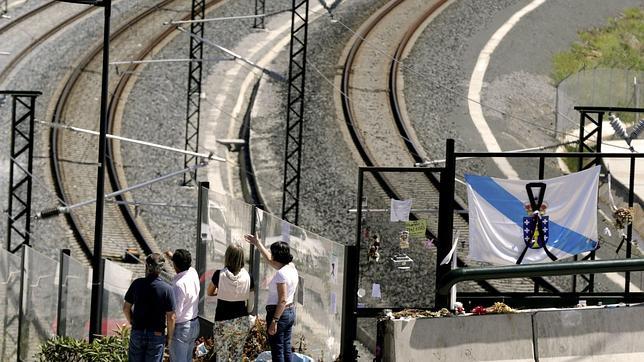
column 507, row 204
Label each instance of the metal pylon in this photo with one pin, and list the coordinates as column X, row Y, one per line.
column 194, row 89
column 295, row 111
column 20, row 167
column 260, row 9
column 590, row 140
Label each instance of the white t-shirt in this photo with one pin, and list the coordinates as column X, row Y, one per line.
column 288, row 275
column 186, row 288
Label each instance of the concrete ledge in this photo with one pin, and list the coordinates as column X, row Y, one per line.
column 477, row 338
column 611, row 334
column 607, row 334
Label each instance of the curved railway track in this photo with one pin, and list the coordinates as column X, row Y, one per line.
column 27, row 19
column 73, row 158
column 26, row 16
column 115, row 171
column 399, row 133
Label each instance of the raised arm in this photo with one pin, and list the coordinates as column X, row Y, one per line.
column 252, row 239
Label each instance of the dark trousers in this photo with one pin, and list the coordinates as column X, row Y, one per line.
column 281, row 350
column 146, row 346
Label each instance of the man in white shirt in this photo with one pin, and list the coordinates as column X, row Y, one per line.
column 186, row 288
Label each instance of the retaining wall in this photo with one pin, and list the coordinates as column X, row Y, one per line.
column 581, row 334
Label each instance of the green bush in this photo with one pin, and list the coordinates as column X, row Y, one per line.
column 106, row 349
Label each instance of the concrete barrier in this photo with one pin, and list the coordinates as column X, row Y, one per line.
column 606, row 334
column 590, row 334
column 477, row 338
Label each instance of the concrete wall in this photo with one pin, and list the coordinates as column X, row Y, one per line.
column 591, row 334
column 476, row 338
column 608, row 334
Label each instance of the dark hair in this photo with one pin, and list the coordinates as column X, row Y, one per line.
column 154, row 264
column 182, row 259
column 234, row 258
column 281, row 252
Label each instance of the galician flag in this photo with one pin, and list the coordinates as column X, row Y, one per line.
column 521, row 222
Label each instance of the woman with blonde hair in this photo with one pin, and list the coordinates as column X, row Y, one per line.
column 232, row 285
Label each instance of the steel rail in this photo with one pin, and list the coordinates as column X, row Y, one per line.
column 56, row 141
column 348, row 112
column 15, row 60
column 415, row 150
column 26, row 16
column 115, row 174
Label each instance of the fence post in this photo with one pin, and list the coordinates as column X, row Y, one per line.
column 24, row 283
column 445, row 220
column 202, row 236
column 254, row 259
column 61, row 314
column 629, row 228
column 105, row 299
column 351, row 275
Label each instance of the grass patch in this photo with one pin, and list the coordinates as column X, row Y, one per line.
column 571, row 162
column 620, row 44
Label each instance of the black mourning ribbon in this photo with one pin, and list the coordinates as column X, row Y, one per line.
column 537, row 223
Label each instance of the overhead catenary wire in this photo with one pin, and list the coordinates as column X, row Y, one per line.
column 36, row 179
column 267, row 71
column 438, row 84
column 162, row 204
column 360, row 132
column 68, row 208
column 172, row 60
column 315, row 68
column 238, row 17
column 235, row 119
column 411, row 67
column 209, row 156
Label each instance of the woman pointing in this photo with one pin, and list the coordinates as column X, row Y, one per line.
column 280, row 311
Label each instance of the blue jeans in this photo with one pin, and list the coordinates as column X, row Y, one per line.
column 280, row 343
column 146, row 346
column 183, row 341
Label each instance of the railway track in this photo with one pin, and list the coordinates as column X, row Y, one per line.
column 73, row 156
column 26, row 16
column 376, row 120
column 22, row 37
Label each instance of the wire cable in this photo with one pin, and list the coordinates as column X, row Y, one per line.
column 438, row 84
column 38, row 181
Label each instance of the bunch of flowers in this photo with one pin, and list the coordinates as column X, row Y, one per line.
column 623, row 217
column 418, row 313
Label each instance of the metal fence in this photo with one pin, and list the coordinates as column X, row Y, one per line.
column 608, row 87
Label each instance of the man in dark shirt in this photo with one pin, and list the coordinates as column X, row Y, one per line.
column 149, row 305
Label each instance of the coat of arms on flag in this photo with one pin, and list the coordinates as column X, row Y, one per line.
column 521, row 221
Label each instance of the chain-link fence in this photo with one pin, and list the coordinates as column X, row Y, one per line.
column 597, row 87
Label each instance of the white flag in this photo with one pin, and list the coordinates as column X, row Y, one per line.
column 505, row 228
column 400, row 210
